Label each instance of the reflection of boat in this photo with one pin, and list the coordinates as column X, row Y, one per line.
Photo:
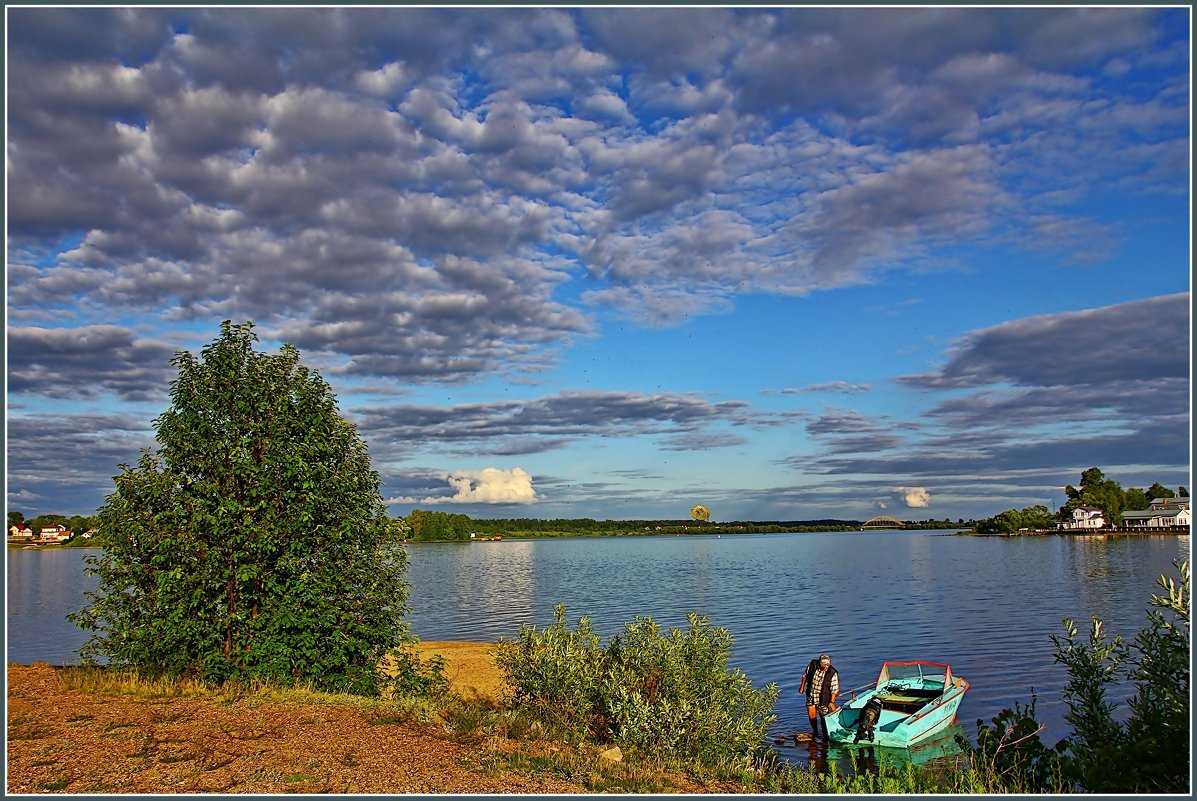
column 910, row 702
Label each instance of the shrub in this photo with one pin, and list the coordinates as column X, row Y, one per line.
column 674, row 695
column 1149, row 752
column 1010, row 755
column 253, row 545
column 556, row 672
column 670, row 695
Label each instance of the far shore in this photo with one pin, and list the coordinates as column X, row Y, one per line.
column 1084, row 534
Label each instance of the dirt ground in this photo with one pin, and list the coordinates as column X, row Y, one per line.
column 74, row 741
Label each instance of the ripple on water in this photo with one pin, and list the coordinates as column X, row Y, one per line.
column 986, row 605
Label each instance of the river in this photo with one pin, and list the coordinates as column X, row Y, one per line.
column 985, row 605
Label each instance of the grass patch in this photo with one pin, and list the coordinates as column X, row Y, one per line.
column 128, row 683
column 106, row 681
column 56, row 785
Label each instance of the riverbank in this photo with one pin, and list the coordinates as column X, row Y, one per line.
column 76, row 730
column 64, row 738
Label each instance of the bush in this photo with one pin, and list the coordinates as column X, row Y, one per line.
column 668, row 695
column 1010, row 755
column 556, row 673
column 1149, row 752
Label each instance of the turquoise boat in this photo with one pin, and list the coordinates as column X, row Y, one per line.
column 910, row 702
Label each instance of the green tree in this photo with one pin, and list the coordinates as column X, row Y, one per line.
column 400, row 529
column 1095, row 490
column 15, row 519
column 46, row 521
column 1135, row 499
column 1093, row 477
column 79, row 523
column 433, row 526
column 1011, row 520
column 252, row 543
column 1158, row 490
column 1182, row 492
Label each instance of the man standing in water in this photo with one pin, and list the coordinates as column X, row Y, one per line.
column 821, row 683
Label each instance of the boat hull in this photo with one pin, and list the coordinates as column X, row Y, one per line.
column 896, row 729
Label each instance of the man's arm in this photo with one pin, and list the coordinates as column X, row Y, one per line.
column 835, row 689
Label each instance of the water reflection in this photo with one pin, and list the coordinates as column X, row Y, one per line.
column 800, row 748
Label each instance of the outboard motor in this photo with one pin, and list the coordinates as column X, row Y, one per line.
column 868, row 720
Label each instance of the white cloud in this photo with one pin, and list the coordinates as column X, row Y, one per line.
column 915, row 497
column 489, row 485
column 385, row 81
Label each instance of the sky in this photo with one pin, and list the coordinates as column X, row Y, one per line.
column 790, row 264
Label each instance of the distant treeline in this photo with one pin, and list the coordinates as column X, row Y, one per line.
column 428, row 526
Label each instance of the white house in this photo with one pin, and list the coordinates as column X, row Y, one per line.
column 20, row 533
column 1162, row 513
column 57, row 533
column 1085, row 517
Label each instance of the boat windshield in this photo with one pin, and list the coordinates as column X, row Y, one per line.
column 915, row 673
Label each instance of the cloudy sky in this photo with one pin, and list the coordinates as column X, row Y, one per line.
column 786, row 263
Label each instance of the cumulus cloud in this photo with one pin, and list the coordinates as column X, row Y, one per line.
column 334, row 165
column 490, row 485
column 430, row 195
column 915, row 497
column 65, row 462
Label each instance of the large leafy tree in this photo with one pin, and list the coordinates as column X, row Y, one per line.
column 1158, row 490
column 1011, row 520
column 253, row 544
column 1095, row 490
column 1135, row 499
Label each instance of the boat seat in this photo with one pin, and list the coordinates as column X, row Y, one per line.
column 895, row 698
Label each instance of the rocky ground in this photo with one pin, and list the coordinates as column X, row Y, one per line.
column 63, row 739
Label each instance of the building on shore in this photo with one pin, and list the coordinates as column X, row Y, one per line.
column 1162, row 513
column 59, row 533
column 20, row 534
column 1084, row 518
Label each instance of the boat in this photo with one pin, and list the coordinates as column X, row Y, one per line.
column 910, row 702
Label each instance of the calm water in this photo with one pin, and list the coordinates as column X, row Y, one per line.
column 984, row 605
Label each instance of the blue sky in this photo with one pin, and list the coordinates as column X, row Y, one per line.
column 788, row 263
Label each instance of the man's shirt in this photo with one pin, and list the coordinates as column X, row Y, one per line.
column 814, row 692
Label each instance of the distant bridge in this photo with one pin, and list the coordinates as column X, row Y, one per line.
column 883, row 521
